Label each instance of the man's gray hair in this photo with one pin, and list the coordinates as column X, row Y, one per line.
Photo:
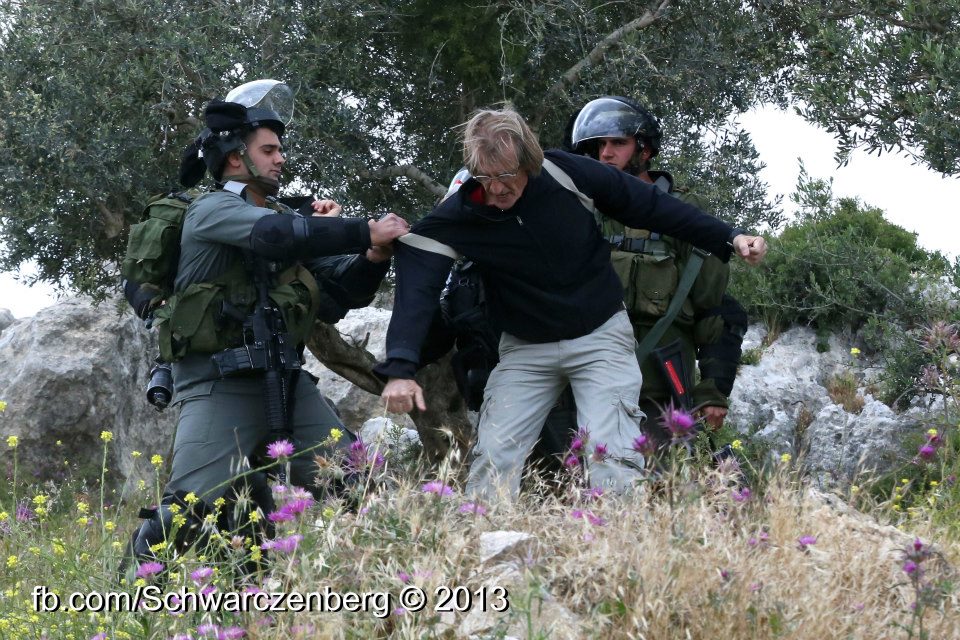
column 494, row 136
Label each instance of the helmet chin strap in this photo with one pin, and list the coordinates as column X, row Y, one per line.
column 270, row 186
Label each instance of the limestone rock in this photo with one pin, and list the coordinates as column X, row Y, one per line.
column 70, row 372
column 6, row 319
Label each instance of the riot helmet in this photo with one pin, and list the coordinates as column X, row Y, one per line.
column 261, row 103
column 615, row 117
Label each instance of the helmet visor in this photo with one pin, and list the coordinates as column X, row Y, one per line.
column 605, row 118
column 271, row 95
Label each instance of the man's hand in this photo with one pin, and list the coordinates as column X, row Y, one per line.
column 401, row 395
column 750, row 248
column 713, row 416
column 387, row 229
column 326, row 208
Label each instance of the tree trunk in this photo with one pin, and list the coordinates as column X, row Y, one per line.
column 444, row 423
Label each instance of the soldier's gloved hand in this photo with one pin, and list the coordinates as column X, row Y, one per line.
column 713, row 416
column 326, row 208
column 401, row 395
column 387, row 229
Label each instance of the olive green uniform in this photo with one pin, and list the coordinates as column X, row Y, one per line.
column 222, row 420
column 651, row 272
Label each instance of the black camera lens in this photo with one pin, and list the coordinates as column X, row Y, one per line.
column 160, row 388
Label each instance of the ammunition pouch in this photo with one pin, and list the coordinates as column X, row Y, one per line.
column 209, row 317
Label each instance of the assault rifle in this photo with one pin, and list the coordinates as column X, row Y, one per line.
column 267, row 349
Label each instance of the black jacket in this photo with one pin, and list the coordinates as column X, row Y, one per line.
column 544, row 263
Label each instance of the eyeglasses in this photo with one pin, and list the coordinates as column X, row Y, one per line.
column 503, row 177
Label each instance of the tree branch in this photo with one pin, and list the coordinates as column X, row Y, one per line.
column 407, row 171
column 595, row 56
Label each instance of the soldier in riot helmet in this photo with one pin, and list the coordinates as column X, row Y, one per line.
column 707, row 328
column 240, row 251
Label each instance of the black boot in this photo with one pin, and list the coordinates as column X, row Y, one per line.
column 157, row 525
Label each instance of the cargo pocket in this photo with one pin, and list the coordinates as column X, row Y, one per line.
column 655, row 281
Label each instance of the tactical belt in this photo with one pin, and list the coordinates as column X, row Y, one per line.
column 637, row 245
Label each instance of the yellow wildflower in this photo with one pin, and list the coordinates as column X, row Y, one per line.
column 141, row 485
column 3, row 405
column 4, row 516
column 13, row 441
column 140, row 582
column 904, row 481
column 82, row 521
column 934, row 483
column 336, row 434
column 179, row 520
column 116, row 544
column 109, row 525
column 854, row 489
column 174, row 508
column 39, row 500
column 255, row 554
column 854, row 351
column 328, row 513
column 156, row 460
column 106, row 436
column 11, row 561
column 219, row 502
column 191, row 498
column 932, row 432
column 35, row 550
column 737, row 445
column 59, row 443
column 83, row 508
column 254, row 516
column 135, row 453
column 785, row 458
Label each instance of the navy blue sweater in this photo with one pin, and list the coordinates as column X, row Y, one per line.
column 544, row 262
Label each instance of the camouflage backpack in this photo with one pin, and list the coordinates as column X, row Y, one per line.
column 153, row 249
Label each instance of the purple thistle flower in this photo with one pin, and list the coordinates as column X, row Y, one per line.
column 232, row 633
column 678, row 423
column 917, row 545
column 280, row 449
column 927, row 452
column 577, row 445
column 643, row 444
column 910, row 567
column 743, row 495
column 208, row 629
column 473, row 507
column 24, row 514
column 600, row 452
column 595, row 520
column 207, row 590
column 280, row 515
column 595, row 493
column 147, row 569
column 805, row 541
column 399, row 611
column 283, row 545
column 571, row 461
column 357, row 456
column 403, row 577
column 297, row 506
column 438, row 488
column 100, row 636
column 201, row 574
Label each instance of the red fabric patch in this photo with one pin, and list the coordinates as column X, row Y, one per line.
column 674, row 378
column 477, row 196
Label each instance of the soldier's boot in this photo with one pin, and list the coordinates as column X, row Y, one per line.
column 160, row 528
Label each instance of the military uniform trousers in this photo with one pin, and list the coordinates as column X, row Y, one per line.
column 602, row 370
column 218, row 430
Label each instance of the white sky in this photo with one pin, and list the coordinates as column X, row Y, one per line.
column 912, row 196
